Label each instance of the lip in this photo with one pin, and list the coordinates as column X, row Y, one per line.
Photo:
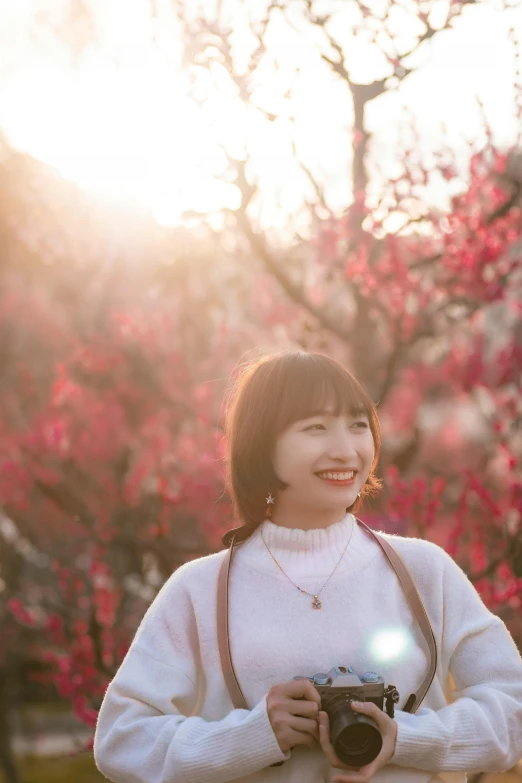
column 337, row 482
column 337, row 470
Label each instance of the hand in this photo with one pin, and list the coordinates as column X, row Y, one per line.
column 292, row 709
column 386, row 726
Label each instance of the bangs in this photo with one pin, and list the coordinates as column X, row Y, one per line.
column 316, row 385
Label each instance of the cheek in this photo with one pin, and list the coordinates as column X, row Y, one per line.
column 293, row 455
column 285, row 454
column 369, row 448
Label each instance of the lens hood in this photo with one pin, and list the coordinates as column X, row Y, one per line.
column 356, row 738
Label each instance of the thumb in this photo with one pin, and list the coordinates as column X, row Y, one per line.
column 372, row 711
column 367, row 708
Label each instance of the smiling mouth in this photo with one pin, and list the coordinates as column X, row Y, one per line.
column 340, row 476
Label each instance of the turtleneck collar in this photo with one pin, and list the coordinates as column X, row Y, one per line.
column 307, row 553
column 294, row 539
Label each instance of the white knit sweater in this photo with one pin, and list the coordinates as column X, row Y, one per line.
column 167, row 715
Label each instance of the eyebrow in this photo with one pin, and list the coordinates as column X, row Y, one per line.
column 354, row 411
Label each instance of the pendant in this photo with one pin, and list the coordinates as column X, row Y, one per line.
column 316, row 603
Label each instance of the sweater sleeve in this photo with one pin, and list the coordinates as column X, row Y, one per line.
column 145, row 731
column 482, row 730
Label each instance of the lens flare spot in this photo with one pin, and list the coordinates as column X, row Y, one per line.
column 391, row 644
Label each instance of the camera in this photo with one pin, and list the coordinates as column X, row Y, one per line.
column 356, row 738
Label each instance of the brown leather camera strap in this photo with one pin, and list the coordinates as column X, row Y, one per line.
column 237, row 535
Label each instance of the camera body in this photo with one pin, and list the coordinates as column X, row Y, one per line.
column 355, row 737
column 342, row 680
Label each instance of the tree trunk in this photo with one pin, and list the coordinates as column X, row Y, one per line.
column 7, row 760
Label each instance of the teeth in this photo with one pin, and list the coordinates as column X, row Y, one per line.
column 337, row 476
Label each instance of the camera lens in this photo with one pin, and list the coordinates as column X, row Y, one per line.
column 356, row 739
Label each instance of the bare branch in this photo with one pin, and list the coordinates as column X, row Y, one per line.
column 319, row 190
column 296, row 293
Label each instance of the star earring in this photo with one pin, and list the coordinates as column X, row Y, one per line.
column 269, row 500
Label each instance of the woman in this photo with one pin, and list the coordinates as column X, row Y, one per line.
column 303, row 445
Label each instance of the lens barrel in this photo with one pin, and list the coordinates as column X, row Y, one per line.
column 356, row 739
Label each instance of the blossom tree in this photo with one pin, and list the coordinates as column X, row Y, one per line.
column 110, row 455
column 427, row 314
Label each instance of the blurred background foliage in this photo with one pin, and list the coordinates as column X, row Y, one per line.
column 123, row 321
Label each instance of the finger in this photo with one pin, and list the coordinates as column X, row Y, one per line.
column 362, row 776
column 324, row 738
column 328, row 748
column 302, row 738
column 307, row 709
column 372, row 710
column 304, row 724
column 302, row 688
column 323, row 722
column 324, row 733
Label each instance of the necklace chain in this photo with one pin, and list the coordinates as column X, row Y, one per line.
column 316, row 603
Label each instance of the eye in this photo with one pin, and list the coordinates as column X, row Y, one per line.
column 361, row 424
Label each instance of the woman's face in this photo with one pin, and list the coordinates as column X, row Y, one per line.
column 328, row 444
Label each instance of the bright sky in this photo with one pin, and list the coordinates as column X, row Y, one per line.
column 121, row 122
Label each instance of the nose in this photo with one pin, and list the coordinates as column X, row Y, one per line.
column 341, row 445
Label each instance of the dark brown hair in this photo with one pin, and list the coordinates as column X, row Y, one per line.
column 267, row 395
